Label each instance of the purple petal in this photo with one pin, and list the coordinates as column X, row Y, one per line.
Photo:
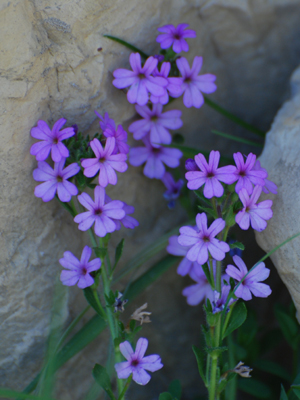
column 151, row 363
column 126, row 350
column 123, row 369
column 141, row 348
column 140, row 376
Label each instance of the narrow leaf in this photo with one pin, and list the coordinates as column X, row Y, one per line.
column 283, row 395
column 128, row 45
column 288, row 325
column 119, row 251
column 165, row 396
column 102, row 378
column 200, row 361
column 208, row 211
column 175, row 389
column 237, row 245
column 90, row 298
column 100, row 252
column 12, row 394
column 255, row 388
column 237, row 318
column 237, row 139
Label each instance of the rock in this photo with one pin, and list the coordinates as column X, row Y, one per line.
column 281, row 159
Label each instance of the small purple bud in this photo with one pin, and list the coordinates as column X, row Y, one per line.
column 159, row 57
column 190, row 165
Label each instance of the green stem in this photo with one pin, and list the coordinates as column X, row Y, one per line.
column 219, row 276
column 211, row 269
column 213, row 376
column 92, row 237
column 95, row 293
column 125, row 388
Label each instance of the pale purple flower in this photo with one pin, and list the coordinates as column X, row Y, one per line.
column 105, row 122
column 50, row 140
column 79, row 271
column 185, row 266
column 252, row 281
column 55, row 180
column 156, row 123
column 202, row 290
column 173, row 188
column 190, row 165
column 103, row 215
column 128, row 221
column 220, row 299
column 155, row 158
column 105, row 161
column 175, row 36
column 136, row 363
column 140, row 80
column 269, row 185
column 173, row 87
column 256, row 214
column 246, row 174
column 210, row 175
column 203, row 241
column 193, row 84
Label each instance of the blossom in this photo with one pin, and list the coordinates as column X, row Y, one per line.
column 196, row 293
column 105, row 161
column 140, row 80
column 79, row 271
column 155, row 158
column 105, row 122
column 186, row 266
column 173, row 86
column 55, row 180
column 246, row 174
column 136, row 363
column 156, row 123
column 190, row 165
column 204, row 240
column 103, row 215
column 141, row 315
column 128, row 221
column 210, row 175
column 252, row 282
column 269, row 185
column 120, row 303
column 175, row 36
column 109, row 130
column 192, row 84
column 220, row 299
column 173, row 188
column 256, row 214
column 50, row 140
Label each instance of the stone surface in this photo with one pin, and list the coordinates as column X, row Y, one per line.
column 281, row 158
column 50, row 68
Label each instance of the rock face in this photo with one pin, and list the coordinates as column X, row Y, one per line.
column 50, row 68
column 281, row 158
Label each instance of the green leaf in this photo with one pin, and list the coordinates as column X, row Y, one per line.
column 255, row 388
column 237, row 139
column 237, row 318
column 237, row 245
column 200, row 361
column 272, row 368
column 128, row 45
column 216, row 350
column 12, row 394
column 90, row 298
column 102, row 378
column 207, row 274
column 100, row 252
column 119, row 251
column 175, row 389
column 283, row 395
column 209, row 211
column 288, row 325
column 296, row 389
column 165, row 396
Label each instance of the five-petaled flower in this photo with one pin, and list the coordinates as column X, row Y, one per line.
column 203, row 241
column 140, row 80
column 79, row 271
column 185, row 266
column 175, row 36
column 256, row 214
column 252, row 282
column 210, row 175
column 246, row 174
column 55, row 180
column 136, row 363
column 50, row 140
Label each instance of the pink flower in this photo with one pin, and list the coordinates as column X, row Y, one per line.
column 156, row 123
column 210, row 175
column 173, row 87
column 105, row 161
column 175, row 36
column 202, row 290
column 192, row 84
column 140, row 80
column 252, row 281
column 55, row 180
column 269, row 185
column 136, row 363
column 50, row 140
column 103, row 215
column 256, row 214
column 155, row 158
column 246, row 174
column 185, row 266
column 79, row 271
column 204, row 240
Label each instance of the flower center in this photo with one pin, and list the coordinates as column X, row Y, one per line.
column 206, row 238
column 177, row 36
column 59, row 178
column 141, row 76
column 98, row 211
column 210, row 175
column 55, row 141
column 83, row 270
column 134, row 363
column 242, row 173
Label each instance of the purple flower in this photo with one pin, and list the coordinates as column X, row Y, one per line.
column 202, row 290
column 246, row 174
column 192, row 84
column 203, row 241
column 156, row 123
column 105, row 161
column 220, row 299
column 186, row 266
column 190, row 165
column 103, row 215
column 128, row 221
column 210, row 175
column 252, row 281
column 79, row 271
column 175, row 36
column 50, row 140
column 105, row 122
column 173, row 188
column 256, row 214
column 173, row 87
column 269, row 185
column 140, row 80
column 55, row 180
column 136, row 363
column 155, row 157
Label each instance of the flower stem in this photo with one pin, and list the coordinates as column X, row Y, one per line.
column 213, row 376
column 125, row 388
